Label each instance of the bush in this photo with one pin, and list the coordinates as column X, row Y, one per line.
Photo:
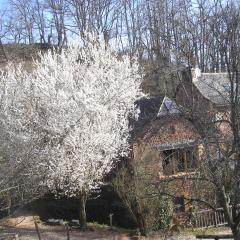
column 160, row 214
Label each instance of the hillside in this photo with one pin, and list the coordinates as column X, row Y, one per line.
column 160, row 77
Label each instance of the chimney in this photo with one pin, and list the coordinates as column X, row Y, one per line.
column 196, row 73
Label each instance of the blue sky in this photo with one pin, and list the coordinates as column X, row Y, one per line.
column 3, row 4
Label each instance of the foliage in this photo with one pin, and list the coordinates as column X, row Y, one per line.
column 95, row 92
column 67, row 121
column 162, row 213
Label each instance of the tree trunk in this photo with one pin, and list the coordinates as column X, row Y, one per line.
column 236, row 233
column 82, row 210
column 140, row 218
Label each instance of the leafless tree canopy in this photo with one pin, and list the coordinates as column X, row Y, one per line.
column 180, row 31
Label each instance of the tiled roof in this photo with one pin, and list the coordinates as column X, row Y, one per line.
column 149, row 108
column 158, row 114
column 213, row 86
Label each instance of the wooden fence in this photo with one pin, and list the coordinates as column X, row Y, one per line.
column 210, row 218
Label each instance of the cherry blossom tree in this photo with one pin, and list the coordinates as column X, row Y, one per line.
column 72, row 114
column 19, row 141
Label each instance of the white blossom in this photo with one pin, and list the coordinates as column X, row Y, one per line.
column 73, row 111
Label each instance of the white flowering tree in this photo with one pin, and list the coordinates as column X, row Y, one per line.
column 79, row 104
column 19, row 143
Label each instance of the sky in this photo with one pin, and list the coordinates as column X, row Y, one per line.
column 2, row 3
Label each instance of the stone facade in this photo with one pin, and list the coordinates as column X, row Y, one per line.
column 171, row 141
column 172, row 146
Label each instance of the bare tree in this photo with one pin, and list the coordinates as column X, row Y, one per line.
column 40, row 19
column 22, row 11
column 219, row 128
column 57, row 10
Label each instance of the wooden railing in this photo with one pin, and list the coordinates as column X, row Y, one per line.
column 210, row 218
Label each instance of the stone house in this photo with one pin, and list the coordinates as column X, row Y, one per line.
column 164, row 137
column 165, row 133
column 205, row 94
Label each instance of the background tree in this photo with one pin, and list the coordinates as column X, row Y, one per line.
column 23, row 15
column 221, row 169
column 219, row 128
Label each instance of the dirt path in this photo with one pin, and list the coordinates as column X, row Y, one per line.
column 53, row 234
column 23, row 225
column 27, row 234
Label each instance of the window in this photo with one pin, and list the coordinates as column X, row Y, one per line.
column 179, row 204
column 181, row 161
column 191, row 159
column 178, row 160
column 168, row 157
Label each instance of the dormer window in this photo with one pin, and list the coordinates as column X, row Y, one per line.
column 168, row 107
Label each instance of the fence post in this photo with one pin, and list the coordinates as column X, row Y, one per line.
column 110, row 220
column 67, row 230
column 216, row 220
column 196, row 220
column 37, row 230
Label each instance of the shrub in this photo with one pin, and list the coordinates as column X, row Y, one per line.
column 163, row 213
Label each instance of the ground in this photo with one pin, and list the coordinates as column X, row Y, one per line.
column 23, row 226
